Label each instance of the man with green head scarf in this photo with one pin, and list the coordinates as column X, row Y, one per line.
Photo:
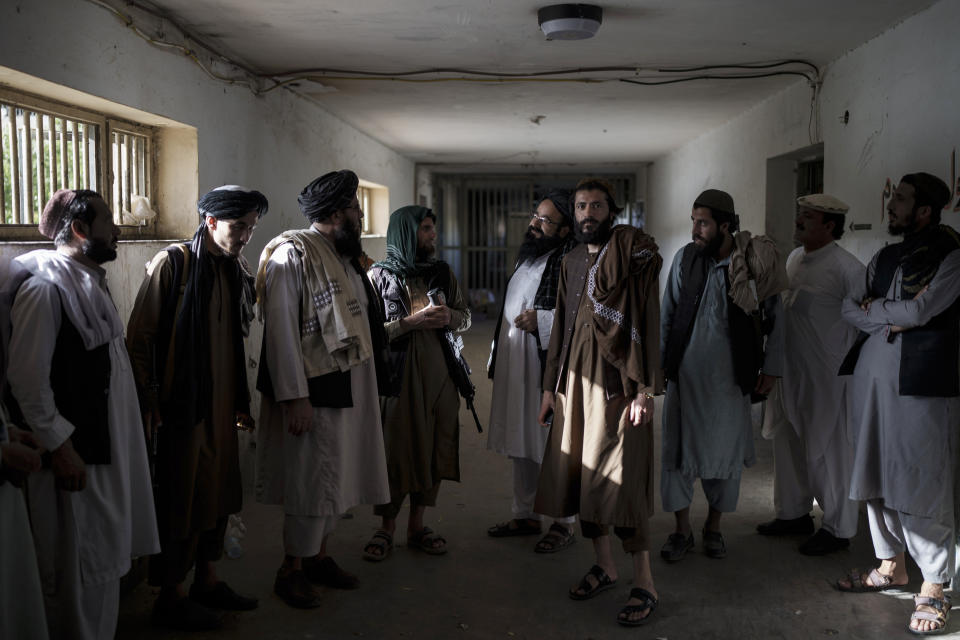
column 420, row 297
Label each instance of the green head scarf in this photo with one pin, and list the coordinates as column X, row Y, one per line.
column 402, row 241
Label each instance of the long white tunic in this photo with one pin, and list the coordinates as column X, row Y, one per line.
column 114, row 517
column 707, row 430
column 817, row 338
column 340, row 461
column 515, row 403
column 905, row 445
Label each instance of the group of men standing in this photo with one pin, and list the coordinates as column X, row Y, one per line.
column 354, row 412
column 735, row 327
column 93, row 420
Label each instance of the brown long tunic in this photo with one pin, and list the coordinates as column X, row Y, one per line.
column 197, row 470
column 596, row 462
column 421, row 429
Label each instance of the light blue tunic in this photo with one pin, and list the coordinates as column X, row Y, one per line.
column 707, row 431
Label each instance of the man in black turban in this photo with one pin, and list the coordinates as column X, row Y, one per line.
column 185, row 338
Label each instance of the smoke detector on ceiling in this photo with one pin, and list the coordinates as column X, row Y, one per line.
column 570, row 21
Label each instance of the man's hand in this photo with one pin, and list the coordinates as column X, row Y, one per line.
column 764, row 384
column 428, row 318
column 151, row 423
column 299, row 415
column 526, row 321
column 641, row 409
column 21, row 453
column 546, row 408
column 865, row 303
column 68, row 468
column 898, row 329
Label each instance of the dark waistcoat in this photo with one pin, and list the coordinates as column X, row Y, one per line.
column 928, row 354
column 745, row 337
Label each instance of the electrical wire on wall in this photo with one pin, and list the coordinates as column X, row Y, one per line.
column 635, row 75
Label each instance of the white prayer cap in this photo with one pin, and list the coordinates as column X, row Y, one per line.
column 823, row 202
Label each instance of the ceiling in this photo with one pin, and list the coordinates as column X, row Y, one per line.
column 532, row 122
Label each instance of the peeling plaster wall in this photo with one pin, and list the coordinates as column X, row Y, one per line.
column 275, row 143
column 902, row 90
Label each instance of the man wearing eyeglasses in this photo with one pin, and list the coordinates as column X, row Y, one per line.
column 516, row 364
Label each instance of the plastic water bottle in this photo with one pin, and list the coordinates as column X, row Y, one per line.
column 235, row 532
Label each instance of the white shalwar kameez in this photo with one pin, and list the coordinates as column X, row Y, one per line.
column 340, row 462
column 813, row 455
column 515, row 402
column 84, row 539
column 21, row 598
column 905, row 446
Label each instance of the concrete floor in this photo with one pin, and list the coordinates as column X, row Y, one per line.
column 499, row 588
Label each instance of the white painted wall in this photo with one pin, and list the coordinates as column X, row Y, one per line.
column 902, row 90
column 275, row 143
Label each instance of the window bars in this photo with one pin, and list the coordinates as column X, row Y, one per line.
column 46, row 148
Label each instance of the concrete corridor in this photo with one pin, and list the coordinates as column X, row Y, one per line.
column 487, row 588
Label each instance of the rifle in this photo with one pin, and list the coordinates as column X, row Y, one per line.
column 452, row 345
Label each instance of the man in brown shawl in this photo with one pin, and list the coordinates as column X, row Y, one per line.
column 601, row 375
column 185, row 338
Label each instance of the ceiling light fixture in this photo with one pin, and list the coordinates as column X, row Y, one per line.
column 570, row 21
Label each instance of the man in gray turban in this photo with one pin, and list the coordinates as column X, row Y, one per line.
column 185, row 338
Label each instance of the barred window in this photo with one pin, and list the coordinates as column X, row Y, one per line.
column 49, row 146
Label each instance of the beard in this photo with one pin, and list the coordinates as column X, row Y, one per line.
column 903, row 226
column 99, row 251
column 599, row 235
column 535, row 246
column 713, row 245
column 424, row 254
column 346, row 239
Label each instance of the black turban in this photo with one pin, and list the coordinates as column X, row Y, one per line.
column 329, row 193
column 561, row 199
column 230, row 202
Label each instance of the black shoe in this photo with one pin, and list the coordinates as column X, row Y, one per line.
column 823, row 542
column 184, row 614
column 676, row 547
column 326, row 572
column 713, row 545
column 221, row 596
column 802, row 525
column 294, row 589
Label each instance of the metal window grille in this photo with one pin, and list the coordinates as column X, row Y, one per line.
column 131, row 168
column 482, row 220
column 43, row 152
column 47, row 146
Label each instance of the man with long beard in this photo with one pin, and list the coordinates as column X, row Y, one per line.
column 600, row 377
column 516, row 365
column 722, row 289
column 92, row 510
column 904, row 392
column 419, row 297
column 321, row 449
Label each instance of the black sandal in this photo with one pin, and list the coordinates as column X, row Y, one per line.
column 557, row 537
column 604, row 582
column 649, row 602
